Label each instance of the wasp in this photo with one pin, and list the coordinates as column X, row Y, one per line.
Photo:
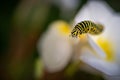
column 86, row 27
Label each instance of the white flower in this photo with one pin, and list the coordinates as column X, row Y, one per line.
column 55, row 46
column 103, row 52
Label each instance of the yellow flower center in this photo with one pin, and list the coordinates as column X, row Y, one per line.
column 107, row 47
column 82, row 36
column 64, row 28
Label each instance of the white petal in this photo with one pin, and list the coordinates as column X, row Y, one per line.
column 97, row 11
column 113, row 31
column 98, row 50
column 101, row 65
column 55, row 49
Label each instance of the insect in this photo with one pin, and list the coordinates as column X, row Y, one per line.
column 86, row 27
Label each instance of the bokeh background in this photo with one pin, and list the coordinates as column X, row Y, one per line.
column 22, row 23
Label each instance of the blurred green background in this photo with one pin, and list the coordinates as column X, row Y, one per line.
column 22, row 22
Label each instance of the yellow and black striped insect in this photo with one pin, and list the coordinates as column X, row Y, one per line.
column 86, row 27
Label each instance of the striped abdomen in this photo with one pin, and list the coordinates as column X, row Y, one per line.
column 86, row 27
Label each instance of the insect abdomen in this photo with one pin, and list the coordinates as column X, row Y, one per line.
column 86, row 27
column 83, row 27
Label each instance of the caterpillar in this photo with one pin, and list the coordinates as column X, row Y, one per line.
column 86, row 27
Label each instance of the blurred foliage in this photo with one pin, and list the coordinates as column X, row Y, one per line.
column 82, row 75
column 6, row 11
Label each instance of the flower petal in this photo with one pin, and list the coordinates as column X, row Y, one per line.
column 95, row 11
column 101, row 65
column 55, row 47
